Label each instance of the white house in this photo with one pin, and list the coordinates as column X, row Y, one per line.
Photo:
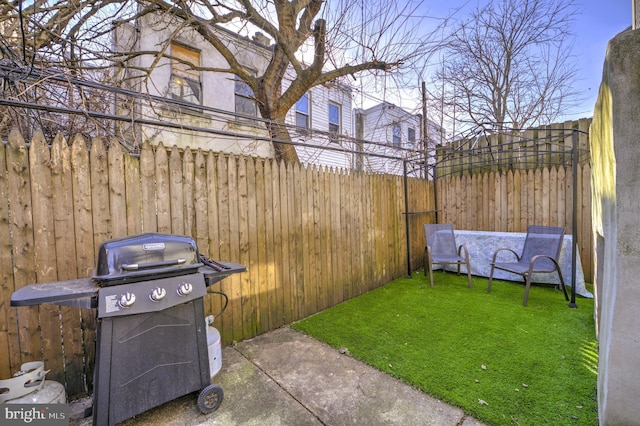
column 220, row 101
column 394, row 132
column 224, row 106
column 210, row 99
column 322, row 117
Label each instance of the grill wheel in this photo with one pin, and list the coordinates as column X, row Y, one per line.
column 210, row 398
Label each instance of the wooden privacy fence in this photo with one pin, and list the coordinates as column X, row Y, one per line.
column 510, row 180
column 541, row 147
column 511, row 201
column 310, row 238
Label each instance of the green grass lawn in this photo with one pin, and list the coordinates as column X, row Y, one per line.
column 500, row 362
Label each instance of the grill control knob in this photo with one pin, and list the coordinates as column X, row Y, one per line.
column 126, row 300
column 157, row 294
column 184, row 289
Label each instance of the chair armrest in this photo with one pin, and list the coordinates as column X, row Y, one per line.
column 539, row 256
column 495, row 254
column 463, row 247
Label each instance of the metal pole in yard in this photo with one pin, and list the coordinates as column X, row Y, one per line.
column 406, row 216
column 574, row 231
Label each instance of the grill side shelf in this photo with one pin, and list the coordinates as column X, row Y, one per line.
column 212, row 276
column 78, row 293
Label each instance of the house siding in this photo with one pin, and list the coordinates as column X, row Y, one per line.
column 321, row 96
column 378, row 127
column 218, row 91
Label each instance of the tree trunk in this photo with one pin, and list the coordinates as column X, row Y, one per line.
column 282, row 145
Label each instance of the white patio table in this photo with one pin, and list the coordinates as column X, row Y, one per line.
column 482, row 245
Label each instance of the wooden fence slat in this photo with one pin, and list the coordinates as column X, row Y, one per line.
column 492, row 201
column 298, row 235
column 224, row 246
column 336, row 273
column 503, row 212
column 117, row 189
column 269, row 275
column 569, row 199
column 6, row 272
column 309, row 252
column 487, row 224
column 295, row 239
column 24, row 339
column 200, row 202
column 163, row 191
column 101, row 218
column 66, row 260
column 213, row 234
column 99, row 178
column 45, row 257
column 249, row 231
column 319, row 231
column 133, row 194
column 148, row 188
column 282, row 240
column 176, row 194
column 235, row 282
column 83, row 344
column 524, row 208
column 345, row 265
column 578, row 208
column 510, row 201
column 257, row 299
column 274, row 240
column 188, row 193
column 586, row 245
column 545, row 193
column 553, row 196
column 212, row 224
column 351, row 220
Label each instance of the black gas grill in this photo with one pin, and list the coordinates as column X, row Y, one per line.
column 151, row 342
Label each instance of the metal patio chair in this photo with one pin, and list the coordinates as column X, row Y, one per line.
column 540, row 254
column 441, row 249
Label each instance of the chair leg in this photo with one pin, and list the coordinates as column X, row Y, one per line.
column 527, row 286
column 469, row 274
column 424, row 261
column 428, row 265
column 564, row 287
column 430, row 272
column 490, row 278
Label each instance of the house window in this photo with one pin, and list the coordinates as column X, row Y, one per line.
column 185, row 80
column 411, row 136
column 245, row 100
column 397, row 135
column 334, row 121
column 303, row 112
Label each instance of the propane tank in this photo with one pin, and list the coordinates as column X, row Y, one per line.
column 214, row 347
column 28, row 386
column 51, row 393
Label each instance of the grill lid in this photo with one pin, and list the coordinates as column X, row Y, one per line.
column 145, row 256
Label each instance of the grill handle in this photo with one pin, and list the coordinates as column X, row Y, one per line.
column 148, row 265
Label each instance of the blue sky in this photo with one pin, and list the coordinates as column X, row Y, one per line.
column 597, row 22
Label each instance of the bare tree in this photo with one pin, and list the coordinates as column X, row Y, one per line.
column 509, row 64
column 344, row 38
